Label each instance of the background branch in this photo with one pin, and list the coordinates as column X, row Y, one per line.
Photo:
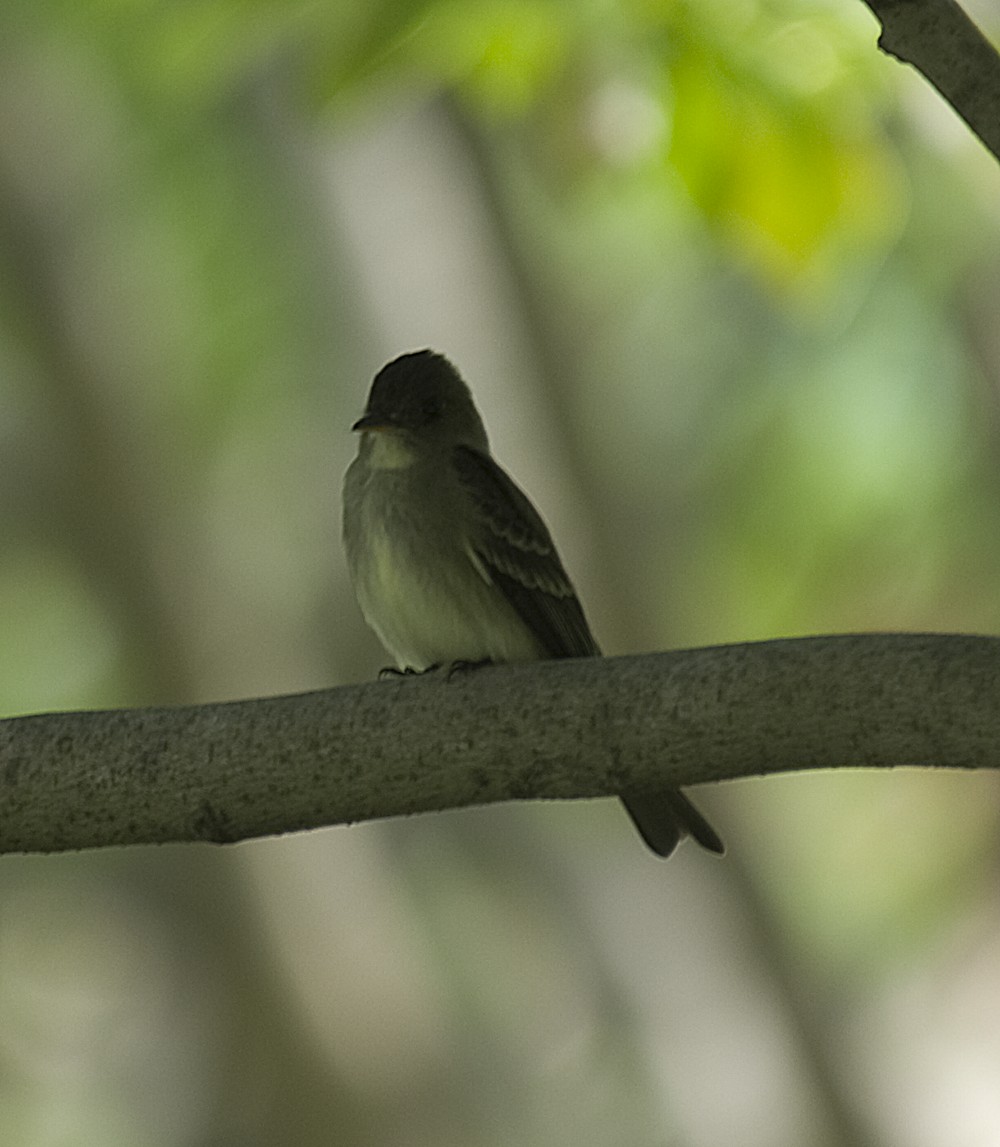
column 946, row 47
column 563, row 729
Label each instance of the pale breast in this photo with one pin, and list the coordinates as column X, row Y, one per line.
column 417, row 587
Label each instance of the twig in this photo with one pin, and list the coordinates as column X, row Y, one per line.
column 946, row 47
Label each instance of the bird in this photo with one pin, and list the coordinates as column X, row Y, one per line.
column 452, row 564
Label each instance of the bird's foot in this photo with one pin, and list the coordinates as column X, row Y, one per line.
column 467, row 666
column 453, row 668
column 409, row 671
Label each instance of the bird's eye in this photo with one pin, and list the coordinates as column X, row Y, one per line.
column 431, row 409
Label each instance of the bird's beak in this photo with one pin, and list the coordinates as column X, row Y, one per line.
column 370, row 422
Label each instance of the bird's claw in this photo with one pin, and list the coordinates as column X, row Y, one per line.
column 454, row 667
column 467, row 666
column 409, row 671
column 392, row 671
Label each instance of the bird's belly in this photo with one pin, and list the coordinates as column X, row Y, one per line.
column 431, row 608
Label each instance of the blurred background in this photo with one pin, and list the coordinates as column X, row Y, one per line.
column 725, row 283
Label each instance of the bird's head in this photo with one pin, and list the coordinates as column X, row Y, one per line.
column 421, row 397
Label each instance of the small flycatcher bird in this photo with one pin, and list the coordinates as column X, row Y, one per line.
column 452, row 563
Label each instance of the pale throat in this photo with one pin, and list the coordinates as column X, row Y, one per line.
column 388, row 450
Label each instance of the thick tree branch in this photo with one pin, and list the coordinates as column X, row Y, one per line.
column 946, row 47
column 557, row 729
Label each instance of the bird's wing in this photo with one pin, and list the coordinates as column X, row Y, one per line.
column 513, row 550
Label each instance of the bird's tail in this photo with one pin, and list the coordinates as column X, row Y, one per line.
column 664, row 818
